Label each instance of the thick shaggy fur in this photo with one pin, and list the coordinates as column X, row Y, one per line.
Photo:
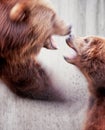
column 25, row 27
column 90, row 59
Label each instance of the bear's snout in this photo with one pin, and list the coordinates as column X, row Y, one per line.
column 69, row 41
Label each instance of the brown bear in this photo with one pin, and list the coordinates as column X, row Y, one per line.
column 90, row 59
column 25, row 27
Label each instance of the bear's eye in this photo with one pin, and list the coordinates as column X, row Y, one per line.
column 86, row 40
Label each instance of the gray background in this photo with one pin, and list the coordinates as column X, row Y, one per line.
column 87, row 18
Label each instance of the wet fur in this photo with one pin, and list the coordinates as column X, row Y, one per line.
column 22, row 35
column 94, row 64
column 90, row 60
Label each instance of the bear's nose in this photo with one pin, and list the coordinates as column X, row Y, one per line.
column 70, row 28
column 70, row 36
column 68, row 40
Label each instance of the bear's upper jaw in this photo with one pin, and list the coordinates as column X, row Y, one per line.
column 70, row 43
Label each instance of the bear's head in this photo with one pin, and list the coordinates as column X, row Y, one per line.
column 90, row 59
column 26, row 26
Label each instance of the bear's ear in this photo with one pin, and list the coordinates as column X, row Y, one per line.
column 19, row 12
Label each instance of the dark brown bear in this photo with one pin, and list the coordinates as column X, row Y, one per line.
column 25, row 27
column 90, row 59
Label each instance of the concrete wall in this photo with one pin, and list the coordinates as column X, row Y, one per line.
column 87, row 18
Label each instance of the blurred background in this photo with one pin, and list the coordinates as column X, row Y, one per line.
column 87, row 18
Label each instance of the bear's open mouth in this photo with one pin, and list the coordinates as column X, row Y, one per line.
column 50, row 44
column 70, row 43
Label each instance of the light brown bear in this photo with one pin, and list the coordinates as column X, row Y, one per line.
column 90, row 59
column 25, row 27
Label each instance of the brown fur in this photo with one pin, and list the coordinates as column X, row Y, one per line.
column 90, row 59
column 26, row 27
